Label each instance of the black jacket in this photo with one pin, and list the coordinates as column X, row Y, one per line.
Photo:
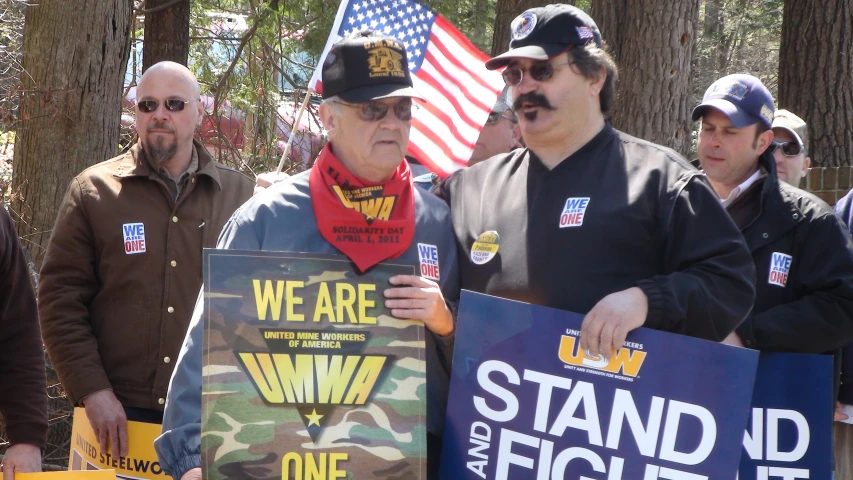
column 844, row 209
column 651, row 220
column 805, row 303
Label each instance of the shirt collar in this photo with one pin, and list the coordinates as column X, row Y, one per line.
column 742, row 187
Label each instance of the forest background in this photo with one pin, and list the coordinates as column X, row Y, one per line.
column 68, row 68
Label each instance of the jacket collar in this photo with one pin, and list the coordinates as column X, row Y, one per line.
column 134, row 164
column 777, row 213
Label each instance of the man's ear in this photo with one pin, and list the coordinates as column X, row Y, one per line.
column 200, row 110
column 806, row 164
column 764, row 140
column 516, row 135
column 597, row 84
column 328, row 117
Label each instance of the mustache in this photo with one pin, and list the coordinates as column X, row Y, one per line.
column 160, row 126
column 532, row 98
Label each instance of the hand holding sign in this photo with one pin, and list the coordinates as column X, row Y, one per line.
column 606, row 326
column 420, row 300
column 21, row 458
column 108, row 420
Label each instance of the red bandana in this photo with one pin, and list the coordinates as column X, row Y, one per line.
column 368, row 222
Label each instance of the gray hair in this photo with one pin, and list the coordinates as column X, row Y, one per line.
column 334, row 104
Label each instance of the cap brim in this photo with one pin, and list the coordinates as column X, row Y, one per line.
column 378, row 92
column 800, row 140
column 738, row 117
column 533, row 52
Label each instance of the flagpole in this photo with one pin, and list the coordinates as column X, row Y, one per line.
column 296, row 121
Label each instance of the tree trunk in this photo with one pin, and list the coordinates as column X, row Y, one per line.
column 653, row 43
column 75, row 55
column 167, row 32
column 505, row 12
column 816, row 75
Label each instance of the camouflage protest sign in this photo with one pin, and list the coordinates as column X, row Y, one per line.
column 306, row 374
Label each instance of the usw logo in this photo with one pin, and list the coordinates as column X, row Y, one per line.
column 626, row 362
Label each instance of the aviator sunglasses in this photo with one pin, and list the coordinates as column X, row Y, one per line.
column 495, row 117
column 789, row 149
column 172, row 105
column 375, row 111
column 540, row 72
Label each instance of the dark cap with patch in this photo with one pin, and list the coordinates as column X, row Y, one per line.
column 367, row 66
column 543, row 33
column 742, row 98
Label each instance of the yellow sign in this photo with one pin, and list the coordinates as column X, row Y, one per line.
column 141, row 460
column 94, row 475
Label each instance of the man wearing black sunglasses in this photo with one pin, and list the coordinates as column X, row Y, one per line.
column 802, row 253
column 360, row 185
column 588, row 219
column 789, row 147
column 123, row 265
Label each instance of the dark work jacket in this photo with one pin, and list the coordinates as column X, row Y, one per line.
column 845, row 395
column 813, row 311
column 810, row 310
column 652, row 221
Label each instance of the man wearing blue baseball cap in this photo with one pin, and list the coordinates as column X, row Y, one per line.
column 802, row 253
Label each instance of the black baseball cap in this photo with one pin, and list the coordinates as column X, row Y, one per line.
column 542, row 33
column 367, row 66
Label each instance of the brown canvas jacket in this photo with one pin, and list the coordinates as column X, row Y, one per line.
column 123, row 270
column 23, row 396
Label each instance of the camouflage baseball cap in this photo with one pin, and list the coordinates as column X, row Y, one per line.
column 793, row 124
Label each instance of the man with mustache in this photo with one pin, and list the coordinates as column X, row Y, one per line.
column 123, row 266
column 367, row 109
column 587, row 218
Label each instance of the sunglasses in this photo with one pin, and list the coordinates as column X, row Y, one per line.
column 375, row 111
column 495, row 117
column 172, row 105
column 541, row 71
column 789, row 149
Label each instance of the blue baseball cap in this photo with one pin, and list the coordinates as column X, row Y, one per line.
column 742, row 98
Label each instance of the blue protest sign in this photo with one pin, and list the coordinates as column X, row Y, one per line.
column 789, row 432
column 527, row 403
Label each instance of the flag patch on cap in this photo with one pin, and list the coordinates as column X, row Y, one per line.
column 585, row 32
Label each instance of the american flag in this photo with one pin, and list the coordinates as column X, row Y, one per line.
column 446, row 69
